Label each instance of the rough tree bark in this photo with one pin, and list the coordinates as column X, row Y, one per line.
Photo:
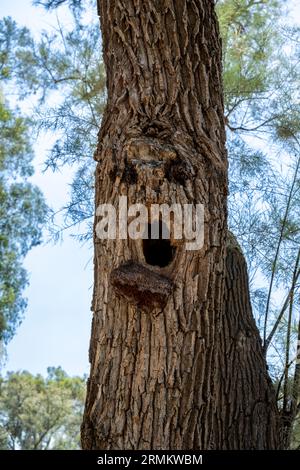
column 171, row 367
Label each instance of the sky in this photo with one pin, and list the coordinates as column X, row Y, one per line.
column 56, row 326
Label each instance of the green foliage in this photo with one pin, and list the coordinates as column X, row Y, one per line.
column 17, row 54
column 65, row 69
column 262, row 109
column 295, row 444
column 40, row 413
column 261, row 76
column 15, row 44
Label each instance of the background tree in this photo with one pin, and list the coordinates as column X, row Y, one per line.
column 261, row 63
column 156, row 380
column 41, row 413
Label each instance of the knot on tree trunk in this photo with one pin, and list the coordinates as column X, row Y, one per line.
column 141, row 286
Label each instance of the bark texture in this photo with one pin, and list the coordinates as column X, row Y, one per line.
column 250, row 419
column 155, row 380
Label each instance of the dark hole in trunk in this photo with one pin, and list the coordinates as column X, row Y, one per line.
column 159, row 251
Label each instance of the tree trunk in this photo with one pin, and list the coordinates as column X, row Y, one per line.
column 160, row 334
column 250, row 417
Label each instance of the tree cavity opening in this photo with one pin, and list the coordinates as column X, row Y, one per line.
column 158, row 251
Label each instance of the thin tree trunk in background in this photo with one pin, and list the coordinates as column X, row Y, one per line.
column 159, row 349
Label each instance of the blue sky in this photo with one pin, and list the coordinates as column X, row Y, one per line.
column 56, row 327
